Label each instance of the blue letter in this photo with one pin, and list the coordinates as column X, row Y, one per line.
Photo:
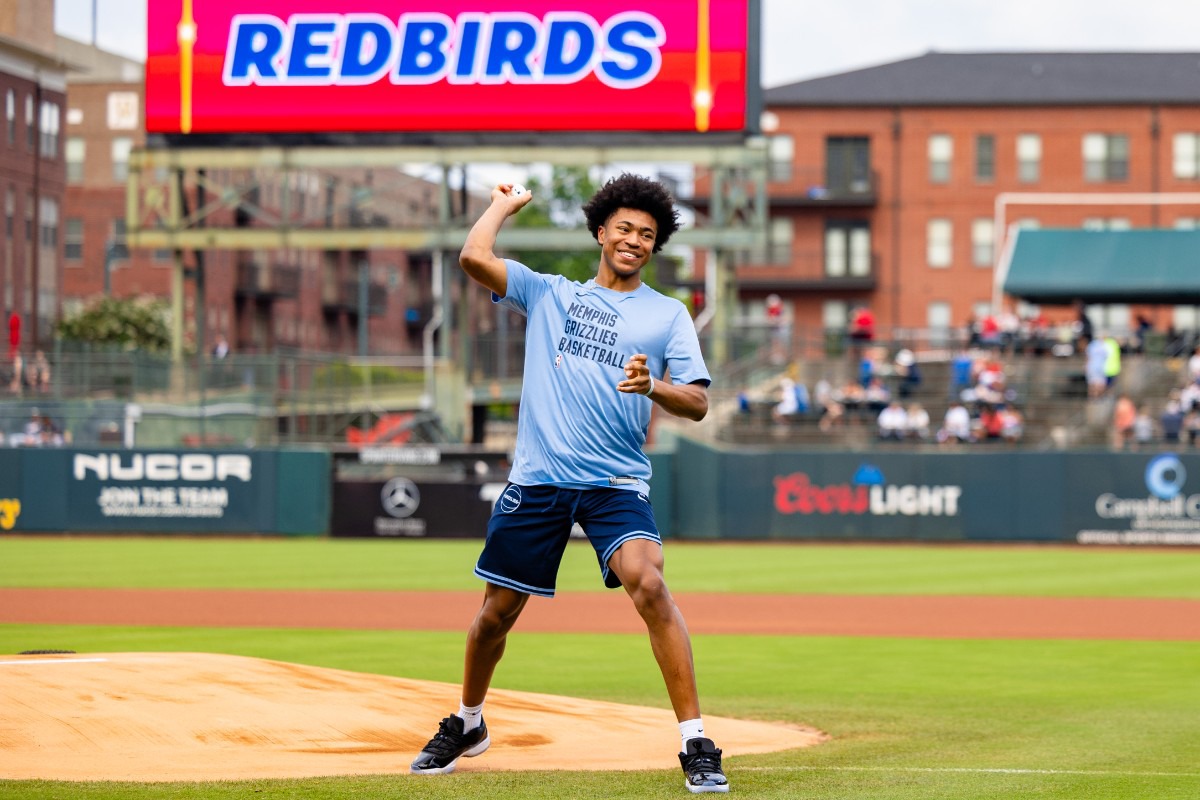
column 423, row 48
column 254, row 41
column 353, row 66
column 468, row 47
column 634, row 39
column 303, row 47
column 563, row 32
column 517, row 55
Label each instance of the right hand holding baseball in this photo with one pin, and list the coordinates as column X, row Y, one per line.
column 515, row 201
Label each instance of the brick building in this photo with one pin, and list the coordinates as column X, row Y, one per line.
column 885, row 180
column 32, row 172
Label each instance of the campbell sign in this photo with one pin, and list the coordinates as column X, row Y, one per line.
column 265, row 66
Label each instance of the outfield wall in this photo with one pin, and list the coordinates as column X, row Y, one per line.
column 699, row 492
column 979, row 494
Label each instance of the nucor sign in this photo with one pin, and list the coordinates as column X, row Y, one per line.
column 269, row 66
column 162, row 466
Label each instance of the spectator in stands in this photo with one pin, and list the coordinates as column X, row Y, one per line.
column 989, row 425
column 1096, row 354
column 877, row 395
column 33, row 429
column 1083, row 324
column 1142, row 329
column 1171, row 420
column 38, row 373
column 956, row 425
column 1143, row 427
column 852, row 397
column 960, row 374
column 1124, row 415
column 862, row 325
column 1112, row 360
column 17, row 384
column 1189, row 396
column 793, row 400
column 893, row 422
column 1193, row 365
column 908, row 374
column 918, row 422
column 1191, row 426
column 1012, row 424
column 990, row 386
column 989, row 331
column 220, row 347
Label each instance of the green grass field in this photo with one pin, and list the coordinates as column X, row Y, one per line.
column 910, row 718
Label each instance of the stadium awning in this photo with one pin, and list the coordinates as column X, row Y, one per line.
column 1132, row 266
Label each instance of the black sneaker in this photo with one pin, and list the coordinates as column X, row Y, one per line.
column 702, row 767
column 448, row 745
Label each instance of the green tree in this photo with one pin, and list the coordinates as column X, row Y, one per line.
column 560, row 205
column 124, row 323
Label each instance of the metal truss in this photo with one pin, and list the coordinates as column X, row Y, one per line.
column 160, row 180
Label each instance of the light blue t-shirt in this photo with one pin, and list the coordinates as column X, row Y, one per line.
column 575, row 429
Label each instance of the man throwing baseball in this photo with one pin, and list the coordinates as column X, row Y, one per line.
column 598, row 355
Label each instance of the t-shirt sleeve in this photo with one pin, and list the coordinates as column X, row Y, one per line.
column 525, row 287
column 683, row 356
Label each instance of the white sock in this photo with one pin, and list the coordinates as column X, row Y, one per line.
column 691, row 729
column 471, row 715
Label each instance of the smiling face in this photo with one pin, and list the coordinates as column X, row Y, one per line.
column 626, row 243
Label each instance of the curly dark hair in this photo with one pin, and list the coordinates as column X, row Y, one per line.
column 638, row 193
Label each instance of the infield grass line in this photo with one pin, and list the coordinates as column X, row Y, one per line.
column 1102, row 773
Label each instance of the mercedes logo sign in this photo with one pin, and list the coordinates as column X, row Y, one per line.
column 400, row 497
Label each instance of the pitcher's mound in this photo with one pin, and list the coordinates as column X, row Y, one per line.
column 200, row 717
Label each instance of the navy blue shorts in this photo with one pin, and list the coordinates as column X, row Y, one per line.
column 531, row 525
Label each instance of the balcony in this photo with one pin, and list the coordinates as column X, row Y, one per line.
column 806, row 272
column 342, row 295
column 267, row 282
column 812, row 187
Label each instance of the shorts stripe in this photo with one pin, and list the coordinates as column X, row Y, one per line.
column 627, row 538
column 516, row 586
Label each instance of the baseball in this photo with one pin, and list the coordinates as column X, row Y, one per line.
column 517, row 190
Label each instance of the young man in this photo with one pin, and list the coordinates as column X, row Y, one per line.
column 596, row 358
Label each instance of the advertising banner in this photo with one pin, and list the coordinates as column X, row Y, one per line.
column 981, row 494
column 185, row 490
column 304, row 66
column 412, row 507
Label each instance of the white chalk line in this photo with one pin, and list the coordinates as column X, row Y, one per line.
column 1101, row 773
column 23, row 662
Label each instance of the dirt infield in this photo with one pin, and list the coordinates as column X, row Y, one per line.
column 611, row 612
column 200, row 716
column 156, row 716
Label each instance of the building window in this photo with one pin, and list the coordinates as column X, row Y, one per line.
column 1029, row 158
column 941, row 153
column 985, row 158
column 51, row 125
column 835, row 315
column 1186, row 224
column 10, row 116
column 1187, row 156
column 847, row 249
column 983, row 242
column 779, row 248
column 847, row 165
column 48, row 222
column 121, row 146
column 940, row 322
column 939, row 237
column 1106, row 224
column 75, row 151
column 30, row 127
column 1105, row 157
column 73, row 239
column 781, row 151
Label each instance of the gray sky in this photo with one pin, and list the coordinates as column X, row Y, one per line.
column 808, row 38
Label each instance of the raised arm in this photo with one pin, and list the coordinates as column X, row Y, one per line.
column 478, row 258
